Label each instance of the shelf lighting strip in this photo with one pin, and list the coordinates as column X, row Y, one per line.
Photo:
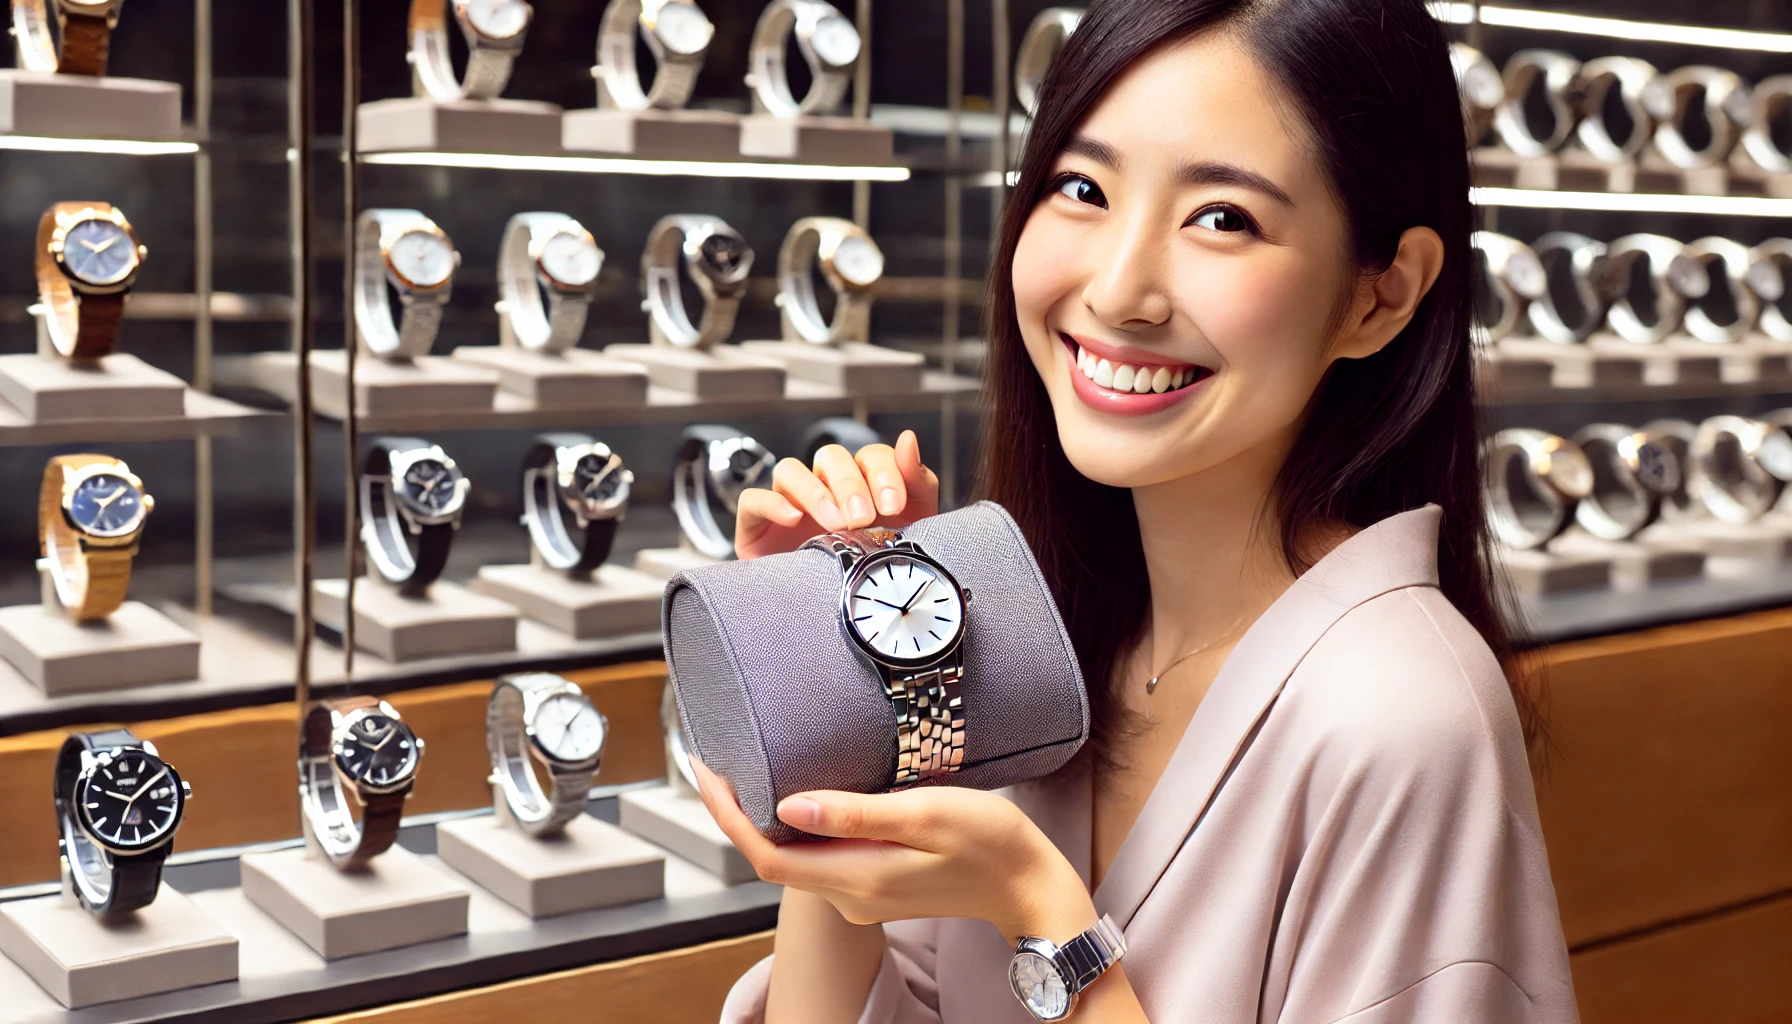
column 623, row 165
column 1632, row 202
column 127, row 147
column 1614, row 28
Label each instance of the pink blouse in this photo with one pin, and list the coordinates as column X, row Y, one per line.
column 1346, row 833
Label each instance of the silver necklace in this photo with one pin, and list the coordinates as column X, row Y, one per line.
column 1151, row 684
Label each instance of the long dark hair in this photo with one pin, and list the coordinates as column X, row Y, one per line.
column 1385, row 434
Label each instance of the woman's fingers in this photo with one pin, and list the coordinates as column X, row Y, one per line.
column 767, row 522
column 807, row 492
column 889, row 492
column 922, row 485
column 912, row 818
column 835, row 467
column 719, row 797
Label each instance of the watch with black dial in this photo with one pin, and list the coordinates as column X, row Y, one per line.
column 88, row 257
column 1513, row 277
column 1646, row 308
column 1738, row 306
column 1724, row 99
column 905, row 614
column 355, row 749
column 1559, row 74
column 574, row 475
column 412, row 495
column 1046, row 35
column 713, row 466
column 118, row 805
column 541, row 718
column 90, row 514
column 1739, row 466
column 1579, row 310
column 716, row 257
column 849, row 261
column 676, row 32
column 1047, row 978
column 405, row 251
column 829, row 43
column 494, row 31
column 551, row 255
column 1533, row 481
column 1632, row 472
column 84, row 46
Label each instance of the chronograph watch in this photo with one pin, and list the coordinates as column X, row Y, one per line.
column 572, row 476
column 829, row 43
column 90, row 517
column 405, row 252
column 677, row 34
column 541, row 718
column 547, row 276
column 356, row 749
column 849, row 261
column 412, row 494
column 87, row 258
column 118, row 805
column 494, row 31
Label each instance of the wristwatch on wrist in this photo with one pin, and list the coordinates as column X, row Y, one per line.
column 551, row 253
column 542, row 718
column 1533, row 479
column 1632, row 472
column 1559, row 72
column 1480, row 88
column 1669, row 99
column 118, row 805
column 403, row 249
column 494, row 31
column 86, row 35
column 713, row 466
column 1739, row 466
column 1048, row 978
column 905, row 613
column 1598, row 77
column 573, row 474
column 1696, row 283
column 1769, row 103
column 1513, row 276
column 90, row 513
column 850, row 262
column 841, row 430
column 355, row 748
column 677, row 33
column 717, row 258
column 412, row 495
column 1665, row 264
column 1046, row 35
column 1770, row 278
column 87, row 258
column 829, row 43
column 1589, row 274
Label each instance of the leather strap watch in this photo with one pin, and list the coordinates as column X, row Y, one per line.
column 551, row 253
column 1559, row 73
column 713, row 466
column 1665, row 263
column 1770, row 278
column 1632, row 472
column 850, row 262
column 677, row 33
column 1046, row 35
column 1533, row 480
column 574, row 474
column 829, row 43
column 355, row 749
column 118, row 805
column 905, row 613
column 405, row 250
column 1598, row 77
column 1514, row 277
column 412, row 494
column 1479, row 87
column 1725, row 101
column 90, row 513
column 1739, row 466
column 716, row 257
column 1589, row 275
column 1696, row 284
column 544, row 718
column 494, row 31
column 86, row 35
column 87, row 259
column 1047, row 978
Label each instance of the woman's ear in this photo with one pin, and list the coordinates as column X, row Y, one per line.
column 1385, row 303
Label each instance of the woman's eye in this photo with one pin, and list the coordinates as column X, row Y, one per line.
column 1221, row 218
column 1081, row 189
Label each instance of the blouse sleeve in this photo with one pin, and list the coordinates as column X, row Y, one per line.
column 904, row 991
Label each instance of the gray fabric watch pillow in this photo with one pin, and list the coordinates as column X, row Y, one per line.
column 777, row 700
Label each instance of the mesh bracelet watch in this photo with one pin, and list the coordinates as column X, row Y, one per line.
column 86, row 43
column 717, row 259
column 412, row 494
column 573, row 473
column 713, row 466
column 542, row 717
column 407, row 251
column 849, row 261
column 1048, row 978
column 355, row 748
column 829, row 43
column 676, row 32
column 118, row 805
column 494, row 31
column 906, row 615
column 551, row 253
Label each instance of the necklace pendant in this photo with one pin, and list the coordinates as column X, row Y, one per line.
column 1151, row 685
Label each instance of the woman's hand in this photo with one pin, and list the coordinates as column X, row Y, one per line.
column 930, row 852
column 881, row 486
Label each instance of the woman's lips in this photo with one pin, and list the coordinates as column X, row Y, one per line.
column 1129, row 388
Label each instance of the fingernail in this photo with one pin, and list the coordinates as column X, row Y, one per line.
column 889, row 501
column 799, row 811
column 829, row 516
column 860, row 509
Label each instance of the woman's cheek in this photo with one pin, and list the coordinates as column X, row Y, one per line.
column 1043, row 271
column 1262, row 316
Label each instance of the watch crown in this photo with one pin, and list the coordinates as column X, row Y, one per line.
column 186, row 790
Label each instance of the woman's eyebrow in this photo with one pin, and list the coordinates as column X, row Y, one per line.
column 1211, row 173
column 1094, row 149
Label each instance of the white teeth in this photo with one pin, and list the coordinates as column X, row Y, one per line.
column 1160, row 381
column 1104, row 373
column 1179, row 378
column 1123, row 378
column 1141, row 381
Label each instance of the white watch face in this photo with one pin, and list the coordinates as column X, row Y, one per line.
column 498, row 19
column 569, row 728
column 1524, row 272
column 1040, row 988
column 683, row 29
column 859, row 260
column 835, row 41
column 571, row 259
column 904, row 609
column 423, row 258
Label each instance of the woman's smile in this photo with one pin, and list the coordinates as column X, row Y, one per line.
column 1128, row 381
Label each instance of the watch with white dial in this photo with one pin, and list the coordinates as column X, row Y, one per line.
column 118, row 805
column 547, row 276
column 1533, row 480
column 677, row 33
column 542, row 718
column 1664, row 264
column 1598, row 77
column 1739, row 305
column 1588, row 274
column 406, row 251
column 88, row 257
column 1558, row 72
column 85, row 29
column 713, row 466
column 829, row 43
column 1513, row 276
column 355, row 749
column 1048, row 978
column 849, row 261
column 1725, row 101
column 494, row 31
column 1770, row 278
column 716, row 257
column 573, row 475
column 1480, row 88
column 412, row 495
column 1739, row 466
column 905, row 614
column 90, row 515
column 1632, row 472
column 1046, row 35
column 1769, row 103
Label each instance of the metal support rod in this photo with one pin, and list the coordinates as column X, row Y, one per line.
column 861, row 109
column 202, row 293
column 301, row 131
column 351, row 206
column 999, row 101
column 953, row 244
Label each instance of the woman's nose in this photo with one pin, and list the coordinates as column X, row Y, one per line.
column 1126, row 288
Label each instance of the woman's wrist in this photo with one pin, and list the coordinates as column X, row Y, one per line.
column 1048, row 900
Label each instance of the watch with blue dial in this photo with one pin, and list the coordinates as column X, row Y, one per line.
column 87, row 259
column 91, row 510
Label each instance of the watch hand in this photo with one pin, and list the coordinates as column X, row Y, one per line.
column 916, row 596
column 886, row 604
column 88, row 244
column 393, row 731
column 116, row 796
column 97, row 249
column 110, row 498
column 144, row 788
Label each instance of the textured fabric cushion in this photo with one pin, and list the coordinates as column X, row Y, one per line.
column 777, row 700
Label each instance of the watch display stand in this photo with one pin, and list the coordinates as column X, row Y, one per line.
column 1637, row 563
column 421, row 124
column 1669, row 362
column 396, row 900
column 613, row 601
column 665, row 563
column 448, row 620
column 1551, row 572
column 1577, row 366
column 47, row 388
column 1731, row 549
column 1499, row 370
column 674, row 817
column 592, row 864
column 854, row 367
column 724, row 371
column 85, row 107
column 385, row 387
column 652, row 134
column 576, row 378
column 81, row 960
column 134, row 646
column 816, row 140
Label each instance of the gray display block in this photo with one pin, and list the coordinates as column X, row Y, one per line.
column 1731, row 549
column 816, row 140
column 708, row 135
column 1578, row 366
column 1498, row 370
column 664, row 563
column 852, row 366
column 135, row 646
column 398, row 387
column 575, row 379
column 85, row 107
column 674, row 818
column 448, row 620
column 49, row 389
column 614, row 601
column 420, row 124
column 397, row 900
column 723, row 372
column 592, row 864
column 1636, row 564
column 1664, row 364
column 80, row 960
column 1551, row 572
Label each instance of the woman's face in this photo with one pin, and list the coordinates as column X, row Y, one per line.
column 1178, row 283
